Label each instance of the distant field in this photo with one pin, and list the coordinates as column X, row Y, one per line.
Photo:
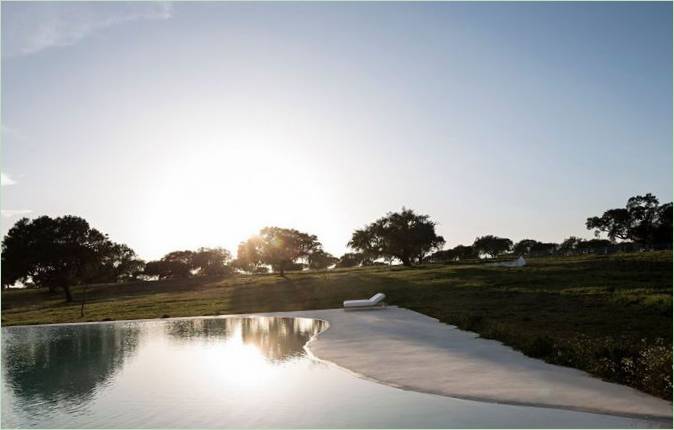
column 609, row 315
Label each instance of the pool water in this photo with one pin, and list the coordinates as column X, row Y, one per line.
column 221, row 372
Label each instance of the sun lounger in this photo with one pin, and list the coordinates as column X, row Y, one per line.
column 375, row 301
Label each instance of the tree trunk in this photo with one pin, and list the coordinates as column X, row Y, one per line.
column 406, row 261
column 69, row 296
column 84, row 298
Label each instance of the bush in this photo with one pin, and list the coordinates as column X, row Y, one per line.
column 541, row 347
column 645, row 364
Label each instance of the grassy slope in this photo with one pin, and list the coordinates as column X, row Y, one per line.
column 611, row 316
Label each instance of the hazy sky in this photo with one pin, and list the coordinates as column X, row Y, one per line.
column 174, row 126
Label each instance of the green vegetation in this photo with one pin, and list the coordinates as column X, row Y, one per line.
column 282, row 249
column 404, row 236
column 608, row 315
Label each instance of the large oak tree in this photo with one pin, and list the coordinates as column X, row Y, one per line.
column 61, row 252
column 492, row 245
column 642, row 220
column 403, row 235
column 281, row 248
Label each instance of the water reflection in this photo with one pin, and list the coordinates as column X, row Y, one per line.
column 277, row 339
column 220, row 373
column 63, row 365
column 52, row 372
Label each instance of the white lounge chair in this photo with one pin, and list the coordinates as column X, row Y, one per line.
column 375, row 301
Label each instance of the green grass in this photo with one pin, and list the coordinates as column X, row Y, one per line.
column 608, row 315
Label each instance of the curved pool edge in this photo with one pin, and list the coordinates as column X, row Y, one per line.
column 663, row 420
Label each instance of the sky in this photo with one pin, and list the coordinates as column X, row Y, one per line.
column 179, row 125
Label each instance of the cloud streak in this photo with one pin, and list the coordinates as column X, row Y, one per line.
column 33, row 27
column 6, row 180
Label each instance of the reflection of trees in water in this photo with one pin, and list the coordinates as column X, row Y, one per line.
column 201, row 329
column 278, row 339
column 63, row 366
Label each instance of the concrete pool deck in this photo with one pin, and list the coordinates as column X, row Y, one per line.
column 409, row 350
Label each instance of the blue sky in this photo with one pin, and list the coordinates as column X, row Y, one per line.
column 174, row 126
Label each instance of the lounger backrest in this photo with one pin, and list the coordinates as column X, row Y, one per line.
column 377, row 297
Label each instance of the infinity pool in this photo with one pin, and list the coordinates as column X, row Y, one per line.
column 221, row 372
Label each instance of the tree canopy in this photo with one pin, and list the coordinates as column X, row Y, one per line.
column 530, row 247
column 60, row 252
column 402, row 235
column 458, row 253
column 249, row 257
column 492, row 246
column 321, row 260
column 642, row 220
column 184, row 264
column 281, row 248
column 570, row 245
column 352, row 259
column 212, row 262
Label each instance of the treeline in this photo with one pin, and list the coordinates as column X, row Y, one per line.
column 281, row 249
column 491, row 246
column 643, row 224
column 58, row 253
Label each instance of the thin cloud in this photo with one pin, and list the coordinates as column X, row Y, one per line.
column 32, row 27
column 5, row 180
column 11, row 213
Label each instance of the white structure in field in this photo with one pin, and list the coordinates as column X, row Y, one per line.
column 520, row 262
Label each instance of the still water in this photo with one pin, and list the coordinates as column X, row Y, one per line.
column 220, row 372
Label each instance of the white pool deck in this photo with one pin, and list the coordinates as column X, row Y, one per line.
column 409, row 350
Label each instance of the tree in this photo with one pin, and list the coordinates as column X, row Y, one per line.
column 458, row 253
column 183, row 264
column 321, row 260
column 280, row 248
column 119, row 263
column 402, row 235
column 369, row 241
column 541, row 249
column 61, row 252
column 212, row 262
column 570, row 245
column 352, row 259
column 642, row 220
column 464, row 252
column 180, row 263
column 443, row 256
column 525, row 246
column 164, row 269
column 158, row 268
column 249, row 257
column 662, row 234
column 176, row 264
column 593, row 246
column 492, row 245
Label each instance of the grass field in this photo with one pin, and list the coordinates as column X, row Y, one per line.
column 608, row 315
